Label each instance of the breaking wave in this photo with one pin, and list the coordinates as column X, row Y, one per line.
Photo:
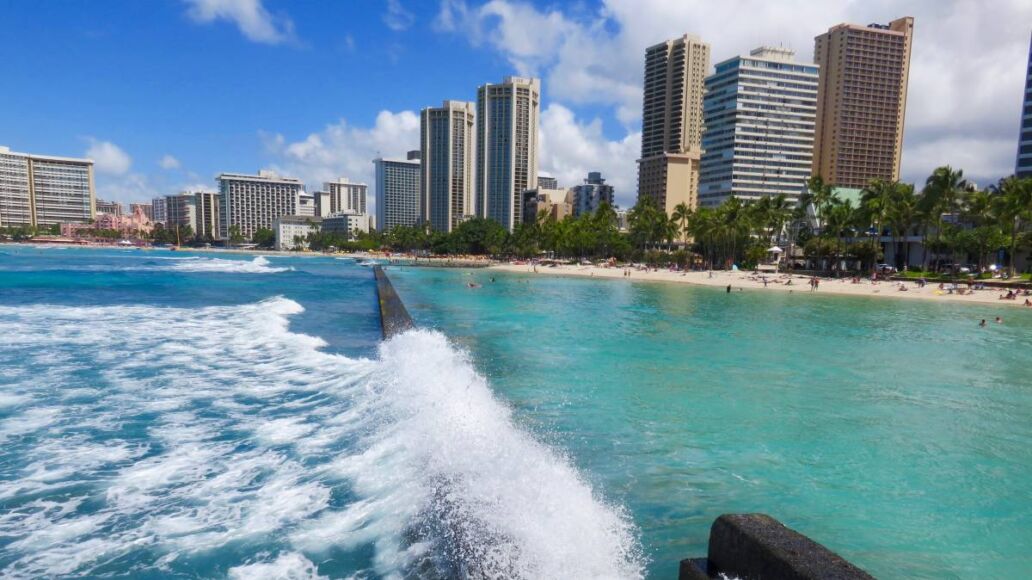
column 155, row 437
column 259, row 265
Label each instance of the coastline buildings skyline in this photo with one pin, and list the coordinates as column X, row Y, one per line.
column 860, row 120
column 861, row 101
column 446, row 139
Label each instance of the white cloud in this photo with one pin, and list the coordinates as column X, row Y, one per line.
column 250, row 16
column 343, row 150
column 967, row 65
column 108, row 157
column 570, row 149
column 128, row 188
column 397, row 18
column 169, row 162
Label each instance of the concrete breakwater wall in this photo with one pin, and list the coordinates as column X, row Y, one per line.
column 394, row 318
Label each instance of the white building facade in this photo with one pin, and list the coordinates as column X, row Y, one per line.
column 39, row 190
column 252, row 202
column 760, row 113
column 397, row 192
column 292, row 231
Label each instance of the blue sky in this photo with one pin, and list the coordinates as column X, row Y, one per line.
column 164, row 94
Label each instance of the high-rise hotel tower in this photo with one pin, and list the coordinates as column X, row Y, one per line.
column 507, row 147
column 42, row 190
column 446, row 144
column 759, row 115
column 397, row 191
column 672, row 121
column 861, row 101
column 1023, row 167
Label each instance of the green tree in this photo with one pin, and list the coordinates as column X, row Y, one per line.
column 941, row 195
column 235, row 237
column 264, row 238
column 1012, row 205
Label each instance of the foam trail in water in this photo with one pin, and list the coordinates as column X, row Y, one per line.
column 259, row 265
column 151, row 436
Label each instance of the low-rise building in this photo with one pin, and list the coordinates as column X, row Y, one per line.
column 292, row 231
column 109, row 207
column 346, row 224
column 557, row 203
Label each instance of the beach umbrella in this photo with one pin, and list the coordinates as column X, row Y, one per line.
column 775, row 250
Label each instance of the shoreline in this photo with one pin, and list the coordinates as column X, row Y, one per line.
column 744, row 280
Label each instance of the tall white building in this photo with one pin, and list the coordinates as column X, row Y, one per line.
column 251, row 202
column 40, row 190
column 306, row 204
column 446, row 145
column 159, row 212
column 206, row 215
column 397, row 192
column 181, row 211
column 759, row 112
column 507, row 147
column 344, row 195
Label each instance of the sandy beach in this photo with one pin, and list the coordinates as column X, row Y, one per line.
column 749, row 281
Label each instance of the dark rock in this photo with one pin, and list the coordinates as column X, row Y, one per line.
column 756, row 546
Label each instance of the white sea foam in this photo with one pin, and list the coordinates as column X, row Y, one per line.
column 290, row 566
column 259, row 265
column 248, row 431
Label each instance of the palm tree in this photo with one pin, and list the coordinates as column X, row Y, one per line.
column 1013, row 208
column 681, row 214
column 820, row 195
column 941, row 195
column 840, row 217
column 901, row 214
column 875, row 202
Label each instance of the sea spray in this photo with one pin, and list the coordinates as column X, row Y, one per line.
column 151, row 438
column 466, row 492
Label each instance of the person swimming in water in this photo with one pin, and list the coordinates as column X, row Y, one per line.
column 982, row 323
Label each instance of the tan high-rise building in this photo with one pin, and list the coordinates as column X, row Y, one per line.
column 671, row 124
column 861, row 101
column 446, row 186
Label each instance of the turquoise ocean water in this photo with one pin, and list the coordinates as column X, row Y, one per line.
column 897, row 433
column 175, row 415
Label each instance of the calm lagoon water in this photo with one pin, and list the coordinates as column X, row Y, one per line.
column 897, row 433
column 178, row 415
